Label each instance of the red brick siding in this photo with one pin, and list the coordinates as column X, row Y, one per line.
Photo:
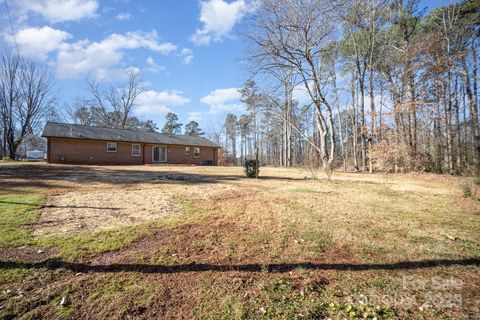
column 176, row 155
column 80, row 151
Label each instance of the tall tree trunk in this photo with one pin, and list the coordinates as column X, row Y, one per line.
column 412, row 112
column 380, row 115
column 354, row 125
column 458, row 134
column 372, row 121
column 363, row 128
column 437, row 131
column 474, row 113
column 448, row 123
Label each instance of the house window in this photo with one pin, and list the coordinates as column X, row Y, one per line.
column 187, row 151
column 111, row 147
column 136, row 150
column 196, row 152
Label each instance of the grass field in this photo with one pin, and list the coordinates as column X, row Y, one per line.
column 204, row 242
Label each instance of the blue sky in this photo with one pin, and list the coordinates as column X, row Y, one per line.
column 188, row 52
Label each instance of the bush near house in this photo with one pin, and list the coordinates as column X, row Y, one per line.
column 251, row 168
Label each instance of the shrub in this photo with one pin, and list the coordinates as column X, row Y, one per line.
column 471, row 189
column 252, row 168
column 467, row 192
column 477, row 181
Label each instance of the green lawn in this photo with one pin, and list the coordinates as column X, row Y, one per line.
column 16, row 210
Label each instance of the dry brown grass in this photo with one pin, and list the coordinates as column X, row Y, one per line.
column 277, row 247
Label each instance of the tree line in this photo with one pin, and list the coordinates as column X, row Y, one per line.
column 387, row 86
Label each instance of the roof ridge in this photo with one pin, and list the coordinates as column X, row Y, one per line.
column 124, row 129
column 120, row 134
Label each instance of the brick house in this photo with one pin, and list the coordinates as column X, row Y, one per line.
column 77, row 144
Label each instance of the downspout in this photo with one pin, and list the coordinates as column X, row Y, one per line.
column 48, row 150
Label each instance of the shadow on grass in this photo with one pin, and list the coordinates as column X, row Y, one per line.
column 52, row 264
column 45, row 175
column 15, row 177
column 57, row 206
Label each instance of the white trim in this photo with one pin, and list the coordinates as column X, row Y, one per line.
column 196, row 152
column 153, row 154
column 189, row 151
column 116, row 146
column 139, row 150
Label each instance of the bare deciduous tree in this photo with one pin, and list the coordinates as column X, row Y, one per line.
column 117, row 101
column 26, row 97
column 296, row 33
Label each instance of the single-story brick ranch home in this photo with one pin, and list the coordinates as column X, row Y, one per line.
column 78, row 144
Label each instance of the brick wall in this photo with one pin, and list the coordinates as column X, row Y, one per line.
column 95, row 152
column 177, row 155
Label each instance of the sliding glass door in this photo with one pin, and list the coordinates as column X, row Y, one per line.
column 159, row 154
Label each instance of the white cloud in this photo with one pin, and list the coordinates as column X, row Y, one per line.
column 159, row 102
column 220, row 96
column 60, row 10
column 97, row 59
column 300, row 94
column 227, row 107
column 115, row 74
column 187, row 55
column 218, row 18
column 153, row 66
column 223, row 100
column 195, row 116
column 85, row 57
column 123, row 16
column 36, row 43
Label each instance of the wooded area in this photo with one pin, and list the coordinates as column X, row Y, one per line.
column 390, row 88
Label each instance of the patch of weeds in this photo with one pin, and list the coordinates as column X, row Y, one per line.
column 65, row 311
column 231, row 307
column 280, row 299
column 467, row 191
column 360, row 311
column 394, row 194
column 164, row 254
column 15, row 212
column 86, row 244
column 378, row 282
column 298, row 208
column 304, row 190
column 262, row 237
column 316, row 240
column 122, row 296
column 471, row 189
column 476, row 181
column 14, row 275
column 193, row 212
column 375, row 250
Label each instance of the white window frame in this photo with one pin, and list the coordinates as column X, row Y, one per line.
column 111, row 143
column 196, row 154
column 139, row 150
column 187, row 151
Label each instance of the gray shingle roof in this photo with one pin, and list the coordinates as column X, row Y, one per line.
column 66, row 130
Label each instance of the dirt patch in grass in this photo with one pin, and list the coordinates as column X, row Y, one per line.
column 26, row 254
column 73, row 212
